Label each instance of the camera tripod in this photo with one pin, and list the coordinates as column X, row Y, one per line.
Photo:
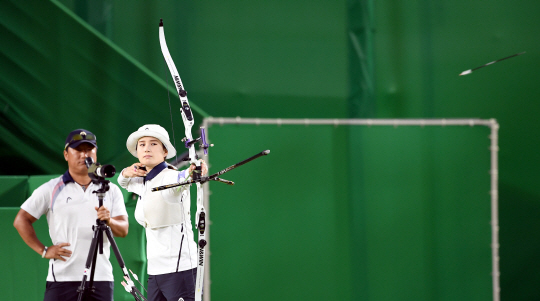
column 97, row 243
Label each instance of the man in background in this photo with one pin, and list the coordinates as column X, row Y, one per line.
column 71, row 208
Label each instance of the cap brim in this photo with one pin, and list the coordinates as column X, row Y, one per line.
column 77, row 143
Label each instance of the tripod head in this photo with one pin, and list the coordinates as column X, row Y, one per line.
column 97, row 174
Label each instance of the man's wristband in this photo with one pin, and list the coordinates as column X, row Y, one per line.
column 44, row 252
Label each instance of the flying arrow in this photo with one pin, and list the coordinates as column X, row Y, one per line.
column 490, row 63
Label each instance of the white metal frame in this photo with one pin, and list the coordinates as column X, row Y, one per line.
column 494, row 172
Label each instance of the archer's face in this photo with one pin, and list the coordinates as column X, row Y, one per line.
column 75, row 157
column 150, row 152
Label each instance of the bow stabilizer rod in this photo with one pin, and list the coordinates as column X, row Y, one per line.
column 214, row 177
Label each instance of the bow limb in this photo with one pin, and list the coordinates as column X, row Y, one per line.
column 185, row 110
column 188, row 119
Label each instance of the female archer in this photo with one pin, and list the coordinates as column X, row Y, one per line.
column 171, row 249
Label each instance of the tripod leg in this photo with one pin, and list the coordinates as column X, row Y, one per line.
column 117, row 252
column 132, row 290
column 90, row 262
column 99, row 248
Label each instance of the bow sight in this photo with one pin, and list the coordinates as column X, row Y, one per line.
column 188, row 143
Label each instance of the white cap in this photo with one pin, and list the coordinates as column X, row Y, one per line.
column 150, row 130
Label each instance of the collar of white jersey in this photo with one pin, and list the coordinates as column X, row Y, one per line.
column 66, row 177
column 155, row 171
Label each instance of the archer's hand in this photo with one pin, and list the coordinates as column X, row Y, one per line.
column 134, row 171
column 58, row 251
column 203, row 165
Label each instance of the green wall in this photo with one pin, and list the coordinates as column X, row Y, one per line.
column 282, row 230
column 420, row 48
column 97, row 64
column 412, row 222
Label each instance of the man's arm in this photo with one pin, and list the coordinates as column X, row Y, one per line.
column 119, row 225
column 23, row 223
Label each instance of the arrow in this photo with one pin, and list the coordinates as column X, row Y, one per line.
column 490, row 63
